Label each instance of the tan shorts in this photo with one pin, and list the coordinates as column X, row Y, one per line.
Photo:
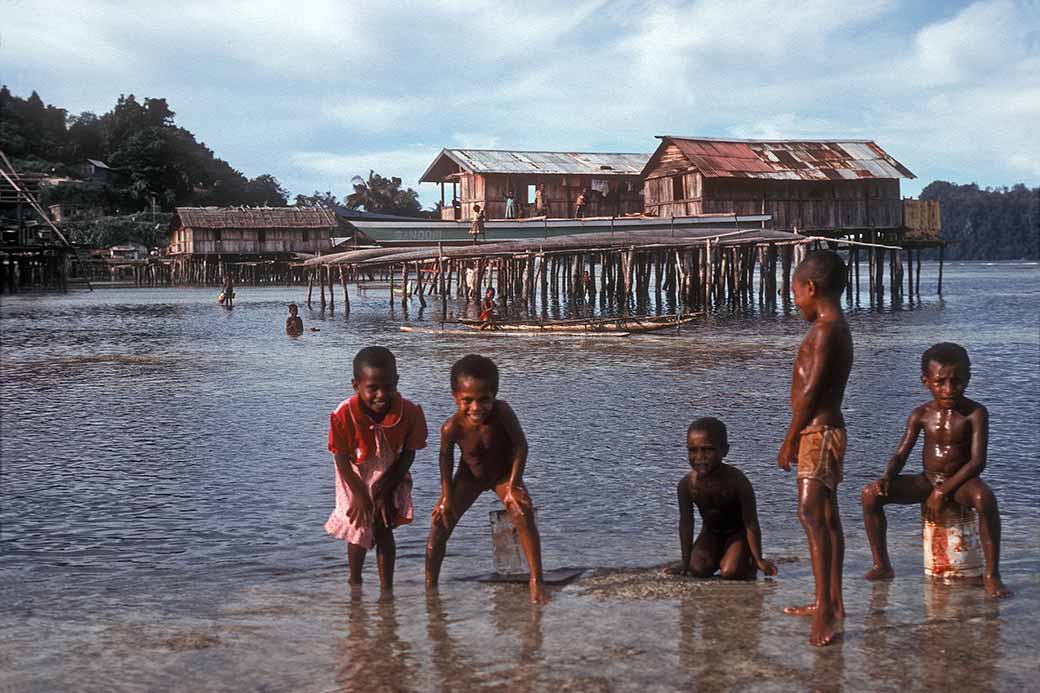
column 821, row 455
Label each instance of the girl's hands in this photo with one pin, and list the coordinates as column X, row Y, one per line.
column 360, row 510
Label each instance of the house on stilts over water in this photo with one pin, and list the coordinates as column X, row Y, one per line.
column 257, row 244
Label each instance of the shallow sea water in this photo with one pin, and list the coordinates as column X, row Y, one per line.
column 165, row 481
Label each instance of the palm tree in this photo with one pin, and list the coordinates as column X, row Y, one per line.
column 383, row 195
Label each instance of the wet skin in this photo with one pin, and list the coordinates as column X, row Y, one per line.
column 730, row 540
column 821, row 372
column 493, row 456
column 376, row 389
column 956, row 436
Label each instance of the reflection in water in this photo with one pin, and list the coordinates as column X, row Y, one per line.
column 963, row 625
column 511, row 657
column 455, row 671
column 719, row 634
column 372, row 655
column 518, row 621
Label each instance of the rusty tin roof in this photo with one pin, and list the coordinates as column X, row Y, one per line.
column 601, row 164
column 787, row 159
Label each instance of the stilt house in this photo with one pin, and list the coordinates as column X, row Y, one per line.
column 252, row 231
column 808, row 185
column 484, row 176
column 256, row 244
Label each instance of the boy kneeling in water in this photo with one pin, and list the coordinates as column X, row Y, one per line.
column 730, row 541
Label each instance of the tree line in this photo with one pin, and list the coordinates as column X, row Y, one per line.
column 155, row 163
column 987, row 223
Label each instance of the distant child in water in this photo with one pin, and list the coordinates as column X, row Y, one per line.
column 956, row 434
column 815, row 440
column 374, row 436
column 487, row 307
column 493, row 456
column 293, row 323
column 730, row 541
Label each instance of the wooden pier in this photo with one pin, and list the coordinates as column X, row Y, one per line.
column 685, row 270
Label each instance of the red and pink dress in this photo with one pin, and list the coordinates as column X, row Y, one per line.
column 374, row 447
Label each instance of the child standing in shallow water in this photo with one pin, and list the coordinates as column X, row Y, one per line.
column 956, row 435
column 815, row 440
column 374, row 436
column 494, row 454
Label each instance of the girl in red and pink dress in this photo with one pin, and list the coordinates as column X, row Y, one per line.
column 374, row 436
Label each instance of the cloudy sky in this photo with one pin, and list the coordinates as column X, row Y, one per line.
column 318, row 91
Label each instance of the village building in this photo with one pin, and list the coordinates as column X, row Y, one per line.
column 804, row 185
column 257, row 243
column 485, row 176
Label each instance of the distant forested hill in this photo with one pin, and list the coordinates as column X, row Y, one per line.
column 152, row 159
column 988, row 224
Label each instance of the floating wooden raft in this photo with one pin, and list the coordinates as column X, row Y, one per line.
column 631, row 325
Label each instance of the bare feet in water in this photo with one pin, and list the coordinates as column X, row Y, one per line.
column 995, row 587
column 805, row 610
column 824, row 628
column 879, row 572
column 538, row 593
column 809, row 610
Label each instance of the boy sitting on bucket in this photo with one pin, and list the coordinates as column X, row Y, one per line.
column 956, row 433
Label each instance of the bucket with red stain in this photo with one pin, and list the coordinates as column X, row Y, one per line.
column 952, row 550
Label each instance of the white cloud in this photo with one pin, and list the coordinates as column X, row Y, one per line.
column 320, row 91
column 407, row 162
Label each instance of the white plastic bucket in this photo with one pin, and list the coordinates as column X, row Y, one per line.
column 509, row 558
column 951, row 546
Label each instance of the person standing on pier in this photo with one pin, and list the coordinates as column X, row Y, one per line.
column 579, row 204
column 510, row 205
column 477, row 227
column 816, row 438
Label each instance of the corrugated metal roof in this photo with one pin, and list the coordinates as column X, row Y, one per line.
column 540, row 163
column 788, row 159
column 255, row 217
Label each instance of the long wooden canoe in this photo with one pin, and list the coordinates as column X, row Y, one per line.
column 501, row 333
column 628, row 325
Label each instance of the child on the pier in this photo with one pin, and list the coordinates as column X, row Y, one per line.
column 730, row 540
column 294, row 323
column 815, row 440
column 476, row 228
column 956, row 433
column 493, row 456
column 374, row 436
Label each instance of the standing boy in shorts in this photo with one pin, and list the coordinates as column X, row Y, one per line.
column 815, row 440
column 730, row 540
column 956, row 435
column 493, row 456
